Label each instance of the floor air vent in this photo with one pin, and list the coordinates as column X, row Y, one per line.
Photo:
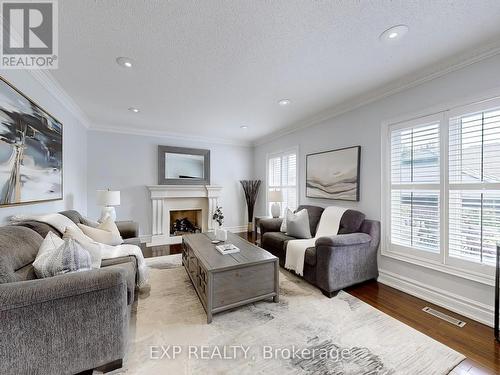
column 443, row 316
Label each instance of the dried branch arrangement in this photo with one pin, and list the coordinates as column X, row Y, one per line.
column 251, row 189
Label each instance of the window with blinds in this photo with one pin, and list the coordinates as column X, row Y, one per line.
column 415, row 187
column 441, row 194
column 474, row 186
column 282, row 176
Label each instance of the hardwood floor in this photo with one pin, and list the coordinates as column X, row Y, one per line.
column 158, row 251
column 476, row 341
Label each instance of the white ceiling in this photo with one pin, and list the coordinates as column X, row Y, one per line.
column 204, row 68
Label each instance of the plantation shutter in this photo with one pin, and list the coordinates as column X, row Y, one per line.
column 415, row 186
column 283, row 177
column 474, row 183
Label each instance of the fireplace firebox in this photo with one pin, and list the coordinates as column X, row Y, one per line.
column 185, row 222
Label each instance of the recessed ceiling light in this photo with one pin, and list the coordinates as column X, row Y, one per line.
column 133, row 109
column 243, row 127
column 124, row 61
column 284, row 102
column 394, row 33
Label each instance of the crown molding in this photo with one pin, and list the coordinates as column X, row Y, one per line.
column 172, row 135
column 44, row 78
column 450, row 65
column 51, row 85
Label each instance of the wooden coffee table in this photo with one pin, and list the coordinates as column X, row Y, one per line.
column 223, row 282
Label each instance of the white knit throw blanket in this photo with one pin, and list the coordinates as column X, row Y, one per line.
column 329, row 225
column 124, row 250
column 61, row 223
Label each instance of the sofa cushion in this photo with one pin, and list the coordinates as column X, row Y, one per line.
column 351, row 222
column 275, row 242
column 41, row 228
column 18, row 248
column 26, row 273
column 314, row 213
column 310, row 257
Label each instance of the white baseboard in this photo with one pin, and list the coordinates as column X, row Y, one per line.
column 237, row 229
column 461, row 305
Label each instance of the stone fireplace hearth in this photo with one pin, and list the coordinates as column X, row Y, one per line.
column 170, row 201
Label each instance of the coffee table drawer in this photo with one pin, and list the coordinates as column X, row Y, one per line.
column 238, row 285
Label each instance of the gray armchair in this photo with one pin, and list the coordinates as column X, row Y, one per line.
column 335, row 262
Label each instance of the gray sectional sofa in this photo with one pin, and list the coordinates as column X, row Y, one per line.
column 65, row 324
column 335, row 262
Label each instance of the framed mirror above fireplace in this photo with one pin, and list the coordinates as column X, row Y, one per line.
column 183, row 166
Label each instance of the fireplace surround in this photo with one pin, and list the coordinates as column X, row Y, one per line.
column 167, row 198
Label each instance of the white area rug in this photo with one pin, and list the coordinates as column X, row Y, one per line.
column 358, row 338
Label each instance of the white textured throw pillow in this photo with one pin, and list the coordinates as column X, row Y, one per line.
column 297, row 224
column 93, row 247
column 57, row 257
column 107, row 232
column 109, row 225
column 283, row 223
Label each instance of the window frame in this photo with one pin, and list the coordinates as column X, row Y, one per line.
column 443, row 262
column 281, row 153
column 400, row 249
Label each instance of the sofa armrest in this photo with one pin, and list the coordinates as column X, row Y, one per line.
column 63, row 324
column 128, row 229
column 132, row 241
column 344, row 240
column 31, row 292
column 344, row 260
column 270, row 225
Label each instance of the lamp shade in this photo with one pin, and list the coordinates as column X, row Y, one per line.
column 275, row 196
column 108, row 197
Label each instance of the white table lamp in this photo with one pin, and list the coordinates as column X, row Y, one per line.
column 276, row 197
column 108, row 199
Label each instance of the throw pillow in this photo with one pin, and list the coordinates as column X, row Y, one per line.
column 57, row 257
column 283, row 223
column 107, row 232
column 94, row 248
column 109, row 225
column 297, row 224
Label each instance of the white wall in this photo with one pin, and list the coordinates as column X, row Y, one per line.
column 362, row 126
column 74, row 149
column 129, row 163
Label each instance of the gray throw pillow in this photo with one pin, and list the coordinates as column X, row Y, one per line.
column 57, row 257
column 297, row 224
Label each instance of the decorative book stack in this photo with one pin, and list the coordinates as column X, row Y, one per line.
column 227, row 249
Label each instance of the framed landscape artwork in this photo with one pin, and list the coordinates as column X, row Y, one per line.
column 31, row 165
column 334, row 174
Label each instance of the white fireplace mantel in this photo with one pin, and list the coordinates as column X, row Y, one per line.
column 165, row 198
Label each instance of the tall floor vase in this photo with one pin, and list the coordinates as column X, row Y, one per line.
column 251, row 189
